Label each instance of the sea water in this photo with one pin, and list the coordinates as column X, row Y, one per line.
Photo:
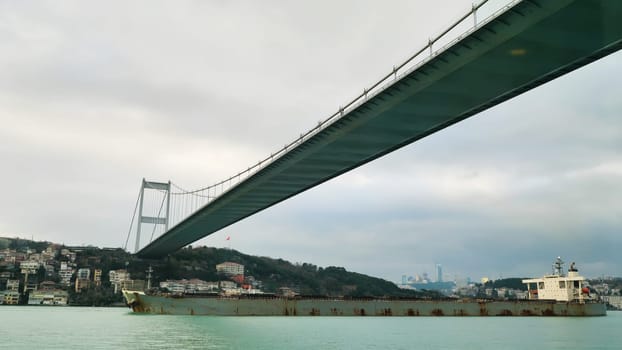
column 39, row 327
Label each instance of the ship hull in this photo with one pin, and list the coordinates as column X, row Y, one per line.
column 275, row 306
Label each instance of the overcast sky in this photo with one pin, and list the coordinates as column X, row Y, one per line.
column 94, row 96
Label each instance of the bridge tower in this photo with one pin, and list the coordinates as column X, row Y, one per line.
column 159, row 219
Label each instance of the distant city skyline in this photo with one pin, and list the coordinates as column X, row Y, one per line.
column 96, row 97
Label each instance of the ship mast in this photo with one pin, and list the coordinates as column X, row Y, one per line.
column 558, row 267
column 149, row 271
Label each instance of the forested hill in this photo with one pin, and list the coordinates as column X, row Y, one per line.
column 304, row 278
column 187, row 263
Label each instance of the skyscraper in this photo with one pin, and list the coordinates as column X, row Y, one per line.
column 439, row 273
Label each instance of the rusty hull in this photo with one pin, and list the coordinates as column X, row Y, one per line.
column 277, row 306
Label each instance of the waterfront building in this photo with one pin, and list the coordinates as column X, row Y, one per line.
column 12, row 285
column 51, row 251
column 35, row 257
column 227, row 285
column 10, row 297
column 614, row 300
column 9, row 256
column 230, row 268
column 173, row 286
column 467, row 291
column 45, row 256
column 207, row 287
column 31, row 284
column 117, row 277
column 83, row 274
column 192, row 286
column 48, row 285
column 97, row 277
column 19, row 257
column 196, row 285
column 65, row 273
column 81, row 284
column 29, row 266
column 48, row 297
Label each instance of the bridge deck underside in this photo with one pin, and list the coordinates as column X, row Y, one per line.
column 534, row 42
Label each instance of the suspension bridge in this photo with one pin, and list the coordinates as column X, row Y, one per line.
column 478, row 62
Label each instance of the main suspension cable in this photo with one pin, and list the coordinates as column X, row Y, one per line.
column 129, row 231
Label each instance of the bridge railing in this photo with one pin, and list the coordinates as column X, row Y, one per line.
column 185, row 202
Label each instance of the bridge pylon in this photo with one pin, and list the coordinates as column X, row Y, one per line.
column 159, row 219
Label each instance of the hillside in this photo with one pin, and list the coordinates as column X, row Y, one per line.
column 304, row 278
column 189, row 263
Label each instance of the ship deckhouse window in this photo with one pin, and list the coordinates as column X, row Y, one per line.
column 562, row 284
column 576, row 284
column 540, row 285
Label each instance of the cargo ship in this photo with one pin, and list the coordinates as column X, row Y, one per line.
column 558, row 294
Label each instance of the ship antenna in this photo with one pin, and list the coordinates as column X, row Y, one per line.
column 558, row 267
column 149, row 271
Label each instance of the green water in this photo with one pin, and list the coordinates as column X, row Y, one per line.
column 117, row 328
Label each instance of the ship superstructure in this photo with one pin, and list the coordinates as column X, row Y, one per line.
column 559, row 286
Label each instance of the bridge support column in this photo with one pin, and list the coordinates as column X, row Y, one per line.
column 155, row 220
